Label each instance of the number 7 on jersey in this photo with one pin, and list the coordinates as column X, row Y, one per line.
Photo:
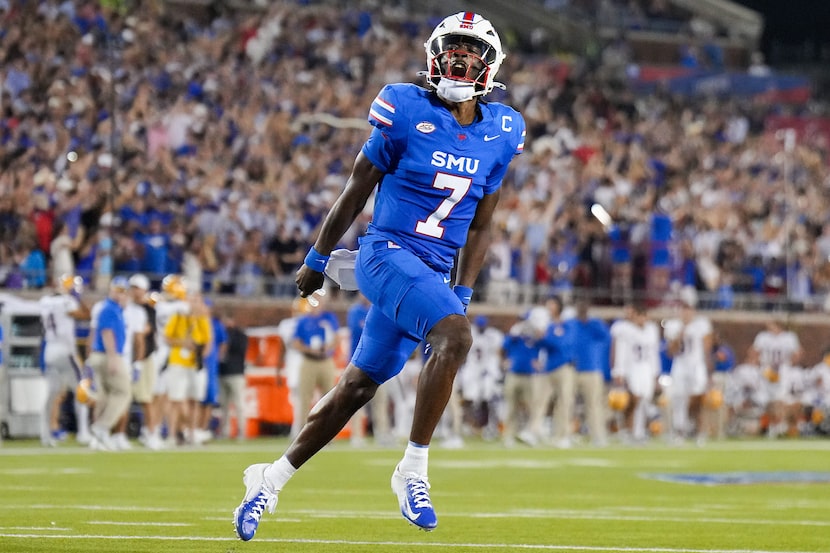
column 459, row 186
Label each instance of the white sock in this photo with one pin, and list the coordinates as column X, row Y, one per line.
column 82, row 417
column 279, row 473
column 415, row 459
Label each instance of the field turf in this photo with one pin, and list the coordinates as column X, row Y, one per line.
column 488, row 499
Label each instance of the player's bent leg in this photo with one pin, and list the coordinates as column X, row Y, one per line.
column 331, row 413
column 450, row 340
column 326, row 419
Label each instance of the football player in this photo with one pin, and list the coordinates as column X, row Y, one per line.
column 635, row 362
column 437, row 157
column 689, row 338
column 172, row 300
column 58, row 313
column 779, row 350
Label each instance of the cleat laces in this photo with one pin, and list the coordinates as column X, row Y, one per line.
column 419, row 491
column 261, row 502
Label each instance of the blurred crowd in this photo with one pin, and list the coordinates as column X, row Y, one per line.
column 211, row 144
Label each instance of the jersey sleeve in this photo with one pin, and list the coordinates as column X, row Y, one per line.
column 387, row 115
column 171, row 328
column 513, row 123
column 201, row 333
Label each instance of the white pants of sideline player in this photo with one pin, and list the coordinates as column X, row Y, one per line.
column 186, row 383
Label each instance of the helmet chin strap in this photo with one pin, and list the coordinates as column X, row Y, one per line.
column 454, row 91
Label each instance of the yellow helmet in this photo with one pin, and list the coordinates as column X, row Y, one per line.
column 174, row 286
column 618, row 399
column 85, row 391
column 713, row 399
column 71, row 283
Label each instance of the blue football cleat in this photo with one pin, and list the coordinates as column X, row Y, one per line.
column 413, row 496
column 258, row 498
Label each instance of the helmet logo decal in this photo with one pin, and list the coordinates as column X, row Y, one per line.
column 425, row 127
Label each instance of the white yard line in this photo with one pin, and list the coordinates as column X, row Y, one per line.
column 36, row 471
column 128, row 508
column 35, row 528
column 562, row 514
column 385, row 545
column 149, row 523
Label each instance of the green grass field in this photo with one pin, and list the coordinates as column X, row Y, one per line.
column 488, row 499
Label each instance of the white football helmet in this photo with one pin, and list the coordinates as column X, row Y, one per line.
column 478, row 38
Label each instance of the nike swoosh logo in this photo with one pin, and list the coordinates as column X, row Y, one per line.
column 446, row 280
column 489, row 138
column 408, row 511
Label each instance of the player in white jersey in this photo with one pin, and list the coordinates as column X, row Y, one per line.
column 635, row 363
column 480, row 376
column 778, row 351
column 794, row 382
column 172, row 300
column 816, row 396
column 745, row 396
column 689, row 338
column 58, row 313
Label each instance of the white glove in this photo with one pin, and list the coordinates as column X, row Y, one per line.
column 340, row 269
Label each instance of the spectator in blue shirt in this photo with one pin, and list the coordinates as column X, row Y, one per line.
column 156, row 243
column 32, row 265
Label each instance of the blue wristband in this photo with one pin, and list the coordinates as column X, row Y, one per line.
column 316, row 261
column 464, row 293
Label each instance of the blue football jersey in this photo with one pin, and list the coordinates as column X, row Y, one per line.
column 436, row 169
